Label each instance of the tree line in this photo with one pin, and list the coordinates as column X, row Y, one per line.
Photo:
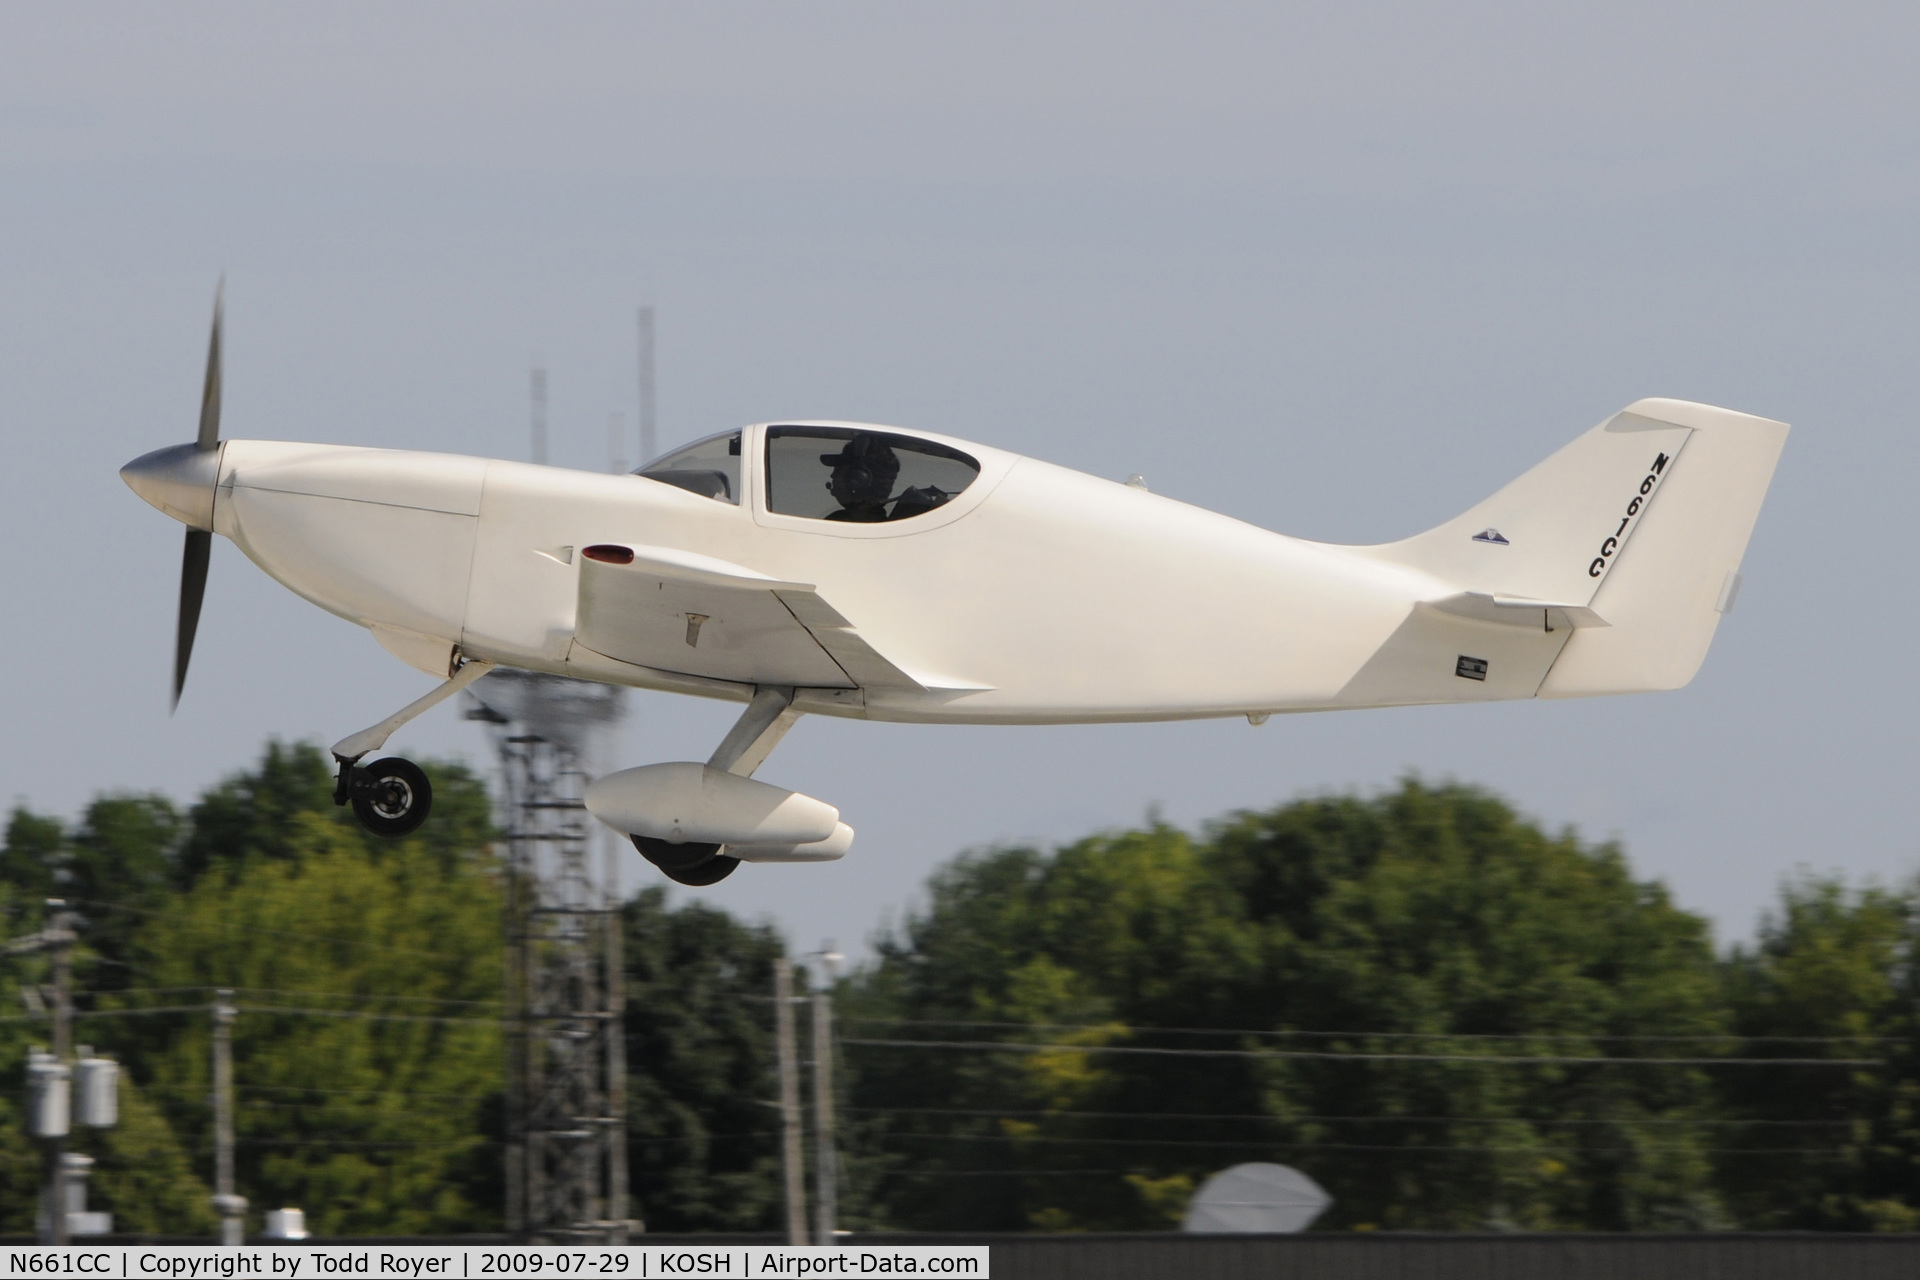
column 1448, row 1016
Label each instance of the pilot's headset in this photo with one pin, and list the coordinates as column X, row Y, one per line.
column 861, row 461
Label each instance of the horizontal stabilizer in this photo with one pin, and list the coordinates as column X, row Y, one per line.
column 1518, row 611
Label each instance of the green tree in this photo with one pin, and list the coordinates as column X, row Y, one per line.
column 371, row 1097
column 35, row 850
column 1832, row 974
column 118, row 870
column 367, row 1048
column 252, row 815
column 1420, row 921
column 703, row 1147
column 118, row 854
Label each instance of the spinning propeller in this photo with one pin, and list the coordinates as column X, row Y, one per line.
column 180, row 480
column 199, row 548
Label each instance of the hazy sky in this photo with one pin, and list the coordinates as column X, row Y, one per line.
column 1337, row 270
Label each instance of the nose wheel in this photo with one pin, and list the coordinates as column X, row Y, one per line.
column 695, row 865
column 390, row 797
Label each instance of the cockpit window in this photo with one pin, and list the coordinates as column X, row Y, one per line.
column 710, row 468
column 863, row 477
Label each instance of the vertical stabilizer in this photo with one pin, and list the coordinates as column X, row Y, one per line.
column 1639, row 525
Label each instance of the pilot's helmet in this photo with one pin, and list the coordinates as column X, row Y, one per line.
column 867, row 465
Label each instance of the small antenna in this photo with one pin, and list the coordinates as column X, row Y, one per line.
column 539, row 416
column 647, row 442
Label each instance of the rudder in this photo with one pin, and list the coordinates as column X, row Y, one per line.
column 1665, row 598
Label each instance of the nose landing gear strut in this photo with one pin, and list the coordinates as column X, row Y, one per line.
column 392, row 797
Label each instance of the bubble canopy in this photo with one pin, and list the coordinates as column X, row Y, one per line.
column 860, row 475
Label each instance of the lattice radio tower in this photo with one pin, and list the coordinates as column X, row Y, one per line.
column 566, row 1068
column 566, row 1055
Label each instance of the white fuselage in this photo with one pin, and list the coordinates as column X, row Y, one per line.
column 1037, row 595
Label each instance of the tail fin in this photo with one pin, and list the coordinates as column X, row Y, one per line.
column 1678, row 483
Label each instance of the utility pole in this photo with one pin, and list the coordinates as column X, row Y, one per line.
column 826, row 1157
column 616, row 444
column 616, row 1050
column 231, row 1208
column 826, row 1181
column 647, row 442
column 50, row 1076
column 60, row 935
column 792, row 1162
column 52, row 1105
column 539, row 390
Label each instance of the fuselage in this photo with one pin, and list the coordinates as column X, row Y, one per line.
column 1036, row 595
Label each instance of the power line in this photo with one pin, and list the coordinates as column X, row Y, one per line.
column 1005, row 1046
column 193, row 1091
column 1537, row 1149
column 1133, row 1030
column 1317, row 1119
column 350, row 1143
column 227, row 926
column 367, row 1015
column 283, row 991
column 1110, row 1172
column 364, row 1014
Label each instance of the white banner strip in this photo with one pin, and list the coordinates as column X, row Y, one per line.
column 510, row 1262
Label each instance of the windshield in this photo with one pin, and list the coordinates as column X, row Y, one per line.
column 710, row 468
column 864, row 477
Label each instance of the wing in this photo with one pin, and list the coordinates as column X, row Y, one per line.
column 680, row 611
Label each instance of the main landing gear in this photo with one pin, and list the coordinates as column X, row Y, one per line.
column 696, row 865
column 392, row 797
column 747, row 745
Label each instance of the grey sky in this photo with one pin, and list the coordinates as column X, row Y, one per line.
column 1339, row 271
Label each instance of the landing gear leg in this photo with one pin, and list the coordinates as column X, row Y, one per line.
column 752, row 738
column 757, row 732
column 392, row 797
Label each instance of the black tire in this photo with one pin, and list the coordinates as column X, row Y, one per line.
column 712, row 871
column 695, row 865
column 673, row 857
column 392, row 797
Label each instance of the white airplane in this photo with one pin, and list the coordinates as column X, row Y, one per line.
column 874, row 572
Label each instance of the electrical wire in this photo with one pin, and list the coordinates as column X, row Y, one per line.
column 229, row 926
column 1006, row 1046
column 1316, row 1119
column 365, row 1015
column 1133, row 1030
column 1345, row 1146
column 282, row 991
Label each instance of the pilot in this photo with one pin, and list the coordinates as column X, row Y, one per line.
column 863, row 474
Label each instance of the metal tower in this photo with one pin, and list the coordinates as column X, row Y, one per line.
column 647, row 442
column 566, row 1068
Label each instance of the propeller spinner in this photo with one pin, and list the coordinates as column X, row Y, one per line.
column 180, row 481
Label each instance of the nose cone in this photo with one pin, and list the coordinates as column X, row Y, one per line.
column 179, row 480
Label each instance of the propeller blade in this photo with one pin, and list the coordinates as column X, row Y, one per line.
column 210, row 397
column 193, row 587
